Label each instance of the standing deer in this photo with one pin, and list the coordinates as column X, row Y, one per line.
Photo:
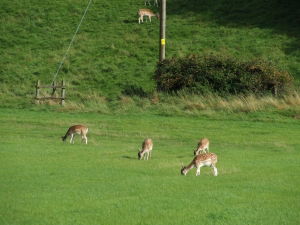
column 77, row 129
column 146, row 12
column 149, row 2
column 146, row 149
column 203, row 146
column 207, row 159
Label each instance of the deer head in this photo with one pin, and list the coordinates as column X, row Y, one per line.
column 183, row 170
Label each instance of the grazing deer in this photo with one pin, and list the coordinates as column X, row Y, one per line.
column 146, row 12
column 77, row 129
column 149, row 2
column 146, row 149
column 207, row 159
column 203, row 146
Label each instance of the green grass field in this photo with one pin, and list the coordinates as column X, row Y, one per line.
column 45, row 181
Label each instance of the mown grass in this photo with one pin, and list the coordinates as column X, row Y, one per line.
column 112, row 51
column 45, row 181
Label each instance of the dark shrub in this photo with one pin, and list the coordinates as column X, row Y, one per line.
column 219, row 74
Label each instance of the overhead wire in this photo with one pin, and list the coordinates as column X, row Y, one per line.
column 71, row 42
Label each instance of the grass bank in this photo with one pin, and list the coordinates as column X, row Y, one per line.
column 113, row 52
column 181, row 104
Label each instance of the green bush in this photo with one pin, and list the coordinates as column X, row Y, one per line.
column 222, row 75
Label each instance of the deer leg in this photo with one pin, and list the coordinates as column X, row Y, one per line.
column 150, row 19
column 142, row 155
column 198, row 171
column 72, row 139
column 84, row 138
column 215, row 170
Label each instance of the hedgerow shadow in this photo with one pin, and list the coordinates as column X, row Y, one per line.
column 282, row 16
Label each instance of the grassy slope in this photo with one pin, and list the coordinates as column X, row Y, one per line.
column 44, row 181
column 112, row 51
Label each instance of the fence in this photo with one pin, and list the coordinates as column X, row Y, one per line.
column 53, row 95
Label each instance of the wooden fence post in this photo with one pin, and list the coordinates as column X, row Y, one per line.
column 63, row 92
column 37, row 92
column 53, row 88
column 275, row 90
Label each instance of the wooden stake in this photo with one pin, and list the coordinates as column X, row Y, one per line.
column 63, row 92
column 37, row 92
column 53, row 88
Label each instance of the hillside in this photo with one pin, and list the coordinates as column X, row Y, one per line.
column 113, row 53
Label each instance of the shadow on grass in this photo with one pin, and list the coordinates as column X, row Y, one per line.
column 130, row 21
column 129, row 157
column 282, row 16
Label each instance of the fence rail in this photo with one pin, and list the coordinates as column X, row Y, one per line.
column 54, row 88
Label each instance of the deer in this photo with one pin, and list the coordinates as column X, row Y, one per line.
column 146, row 150
column 202, row 147
column 146, row 12
column 76, row 129
column 149, row 2
column 207, row 159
